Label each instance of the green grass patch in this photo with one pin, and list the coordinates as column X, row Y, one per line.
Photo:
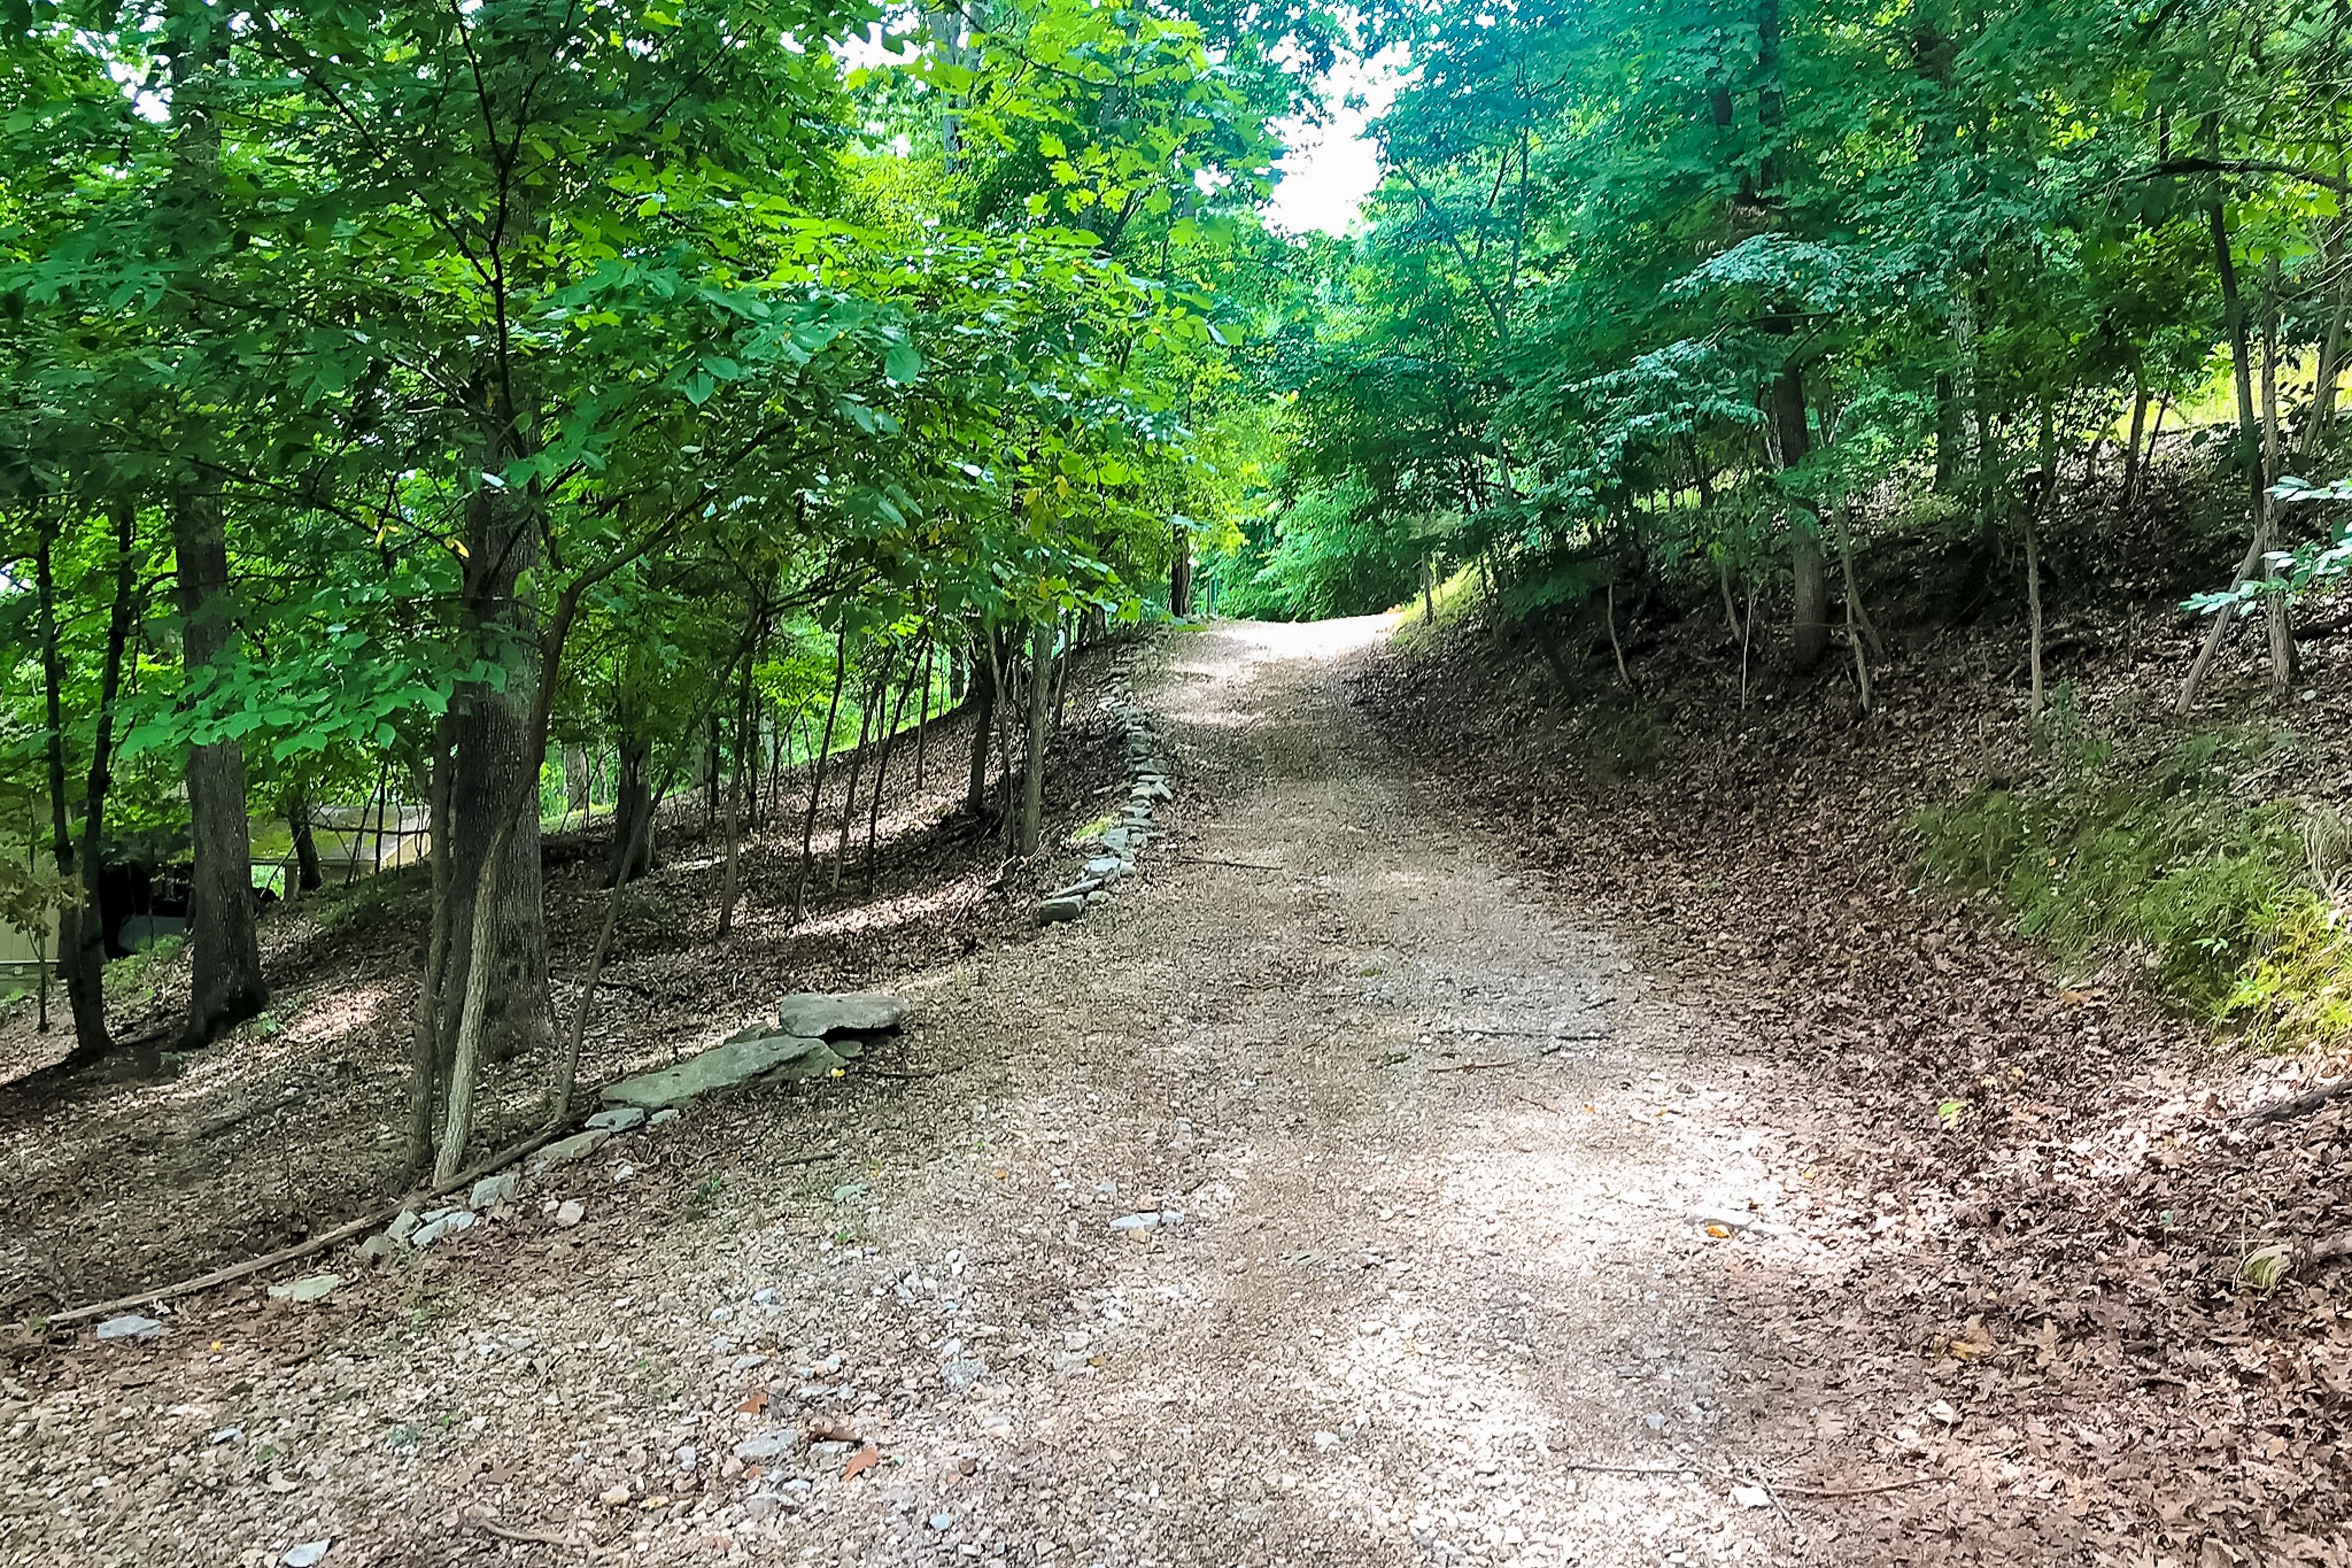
column 2233, row 909
column 1453, row 598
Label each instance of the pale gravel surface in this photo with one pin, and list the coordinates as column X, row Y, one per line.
column 1402, row 1299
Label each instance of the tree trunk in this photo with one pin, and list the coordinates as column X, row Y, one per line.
column 1859, row 629
column 2249, row 448
column 1032, row 769
column 2044, row 498
column 2033, row 613
column 81, row 932
column 1809, row 630
column 1858, row 617
column 2131, row 440
column 1947, row 432
column 575, row 781
column 870, row 714
column 742, row 784
column 882, row 766
column 923, row 720
column 816, row 775
column 473, row 1015
column 224, row 972
column 224, row 984
column 2282, row 634
column 509, row 817
column 730, row 886
column 1967, row 448
column 2330, row 369
column 308, row 876
column 1180, row 571
column 567, row 1067
column 424, row 1057
column 982, row 672
column 633, row 806
column 494, row 768
column 1069, row 624
column 1624, row 677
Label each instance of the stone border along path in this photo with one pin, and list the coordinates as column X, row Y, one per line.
column 1118, row 844
column 815, row 1035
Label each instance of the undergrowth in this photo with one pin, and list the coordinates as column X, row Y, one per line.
column 2237, row 911
column 1454, row 598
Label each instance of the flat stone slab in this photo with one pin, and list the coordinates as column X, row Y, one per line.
column 578, row 1146
column 131, row 1325
column 1054, row 911
column 312, row 1288
column 815, row 1015
column 440, row 1223
column 739, row 1061
column 493, row 1190
column 619, row 1119
column 815, row 1064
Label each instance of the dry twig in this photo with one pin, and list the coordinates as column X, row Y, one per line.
column 316, row 1244
column 2297, row 1105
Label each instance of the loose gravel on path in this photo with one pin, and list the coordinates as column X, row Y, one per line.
column 1322, row 1200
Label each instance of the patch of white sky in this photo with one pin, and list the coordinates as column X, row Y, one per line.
column 1333, row 163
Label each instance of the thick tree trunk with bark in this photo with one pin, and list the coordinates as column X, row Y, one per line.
column 1808, row 628
column 425, row 1056
column 225, row 978
column 575, row 781
column 225, row 986
column 1180, row 571
column 493, row 768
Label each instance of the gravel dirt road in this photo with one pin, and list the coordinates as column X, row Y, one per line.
column 1321, row 1199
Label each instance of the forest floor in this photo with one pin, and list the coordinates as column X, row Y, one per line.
column 1498, row 1219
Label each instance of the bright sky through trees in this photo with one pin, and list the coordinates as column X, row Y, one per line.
column 1332, row 166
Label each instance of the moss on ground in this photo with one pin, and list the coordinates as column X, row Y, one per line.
column 2237, row 910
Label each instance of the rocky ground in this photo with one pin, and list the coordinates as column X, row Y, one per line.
column 1332, row 1194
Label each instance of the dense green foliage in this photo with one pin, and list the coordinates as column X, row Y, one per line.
column 1722, row 289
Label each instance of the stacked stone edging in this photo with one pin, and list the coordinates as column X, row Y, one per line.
column 1116, row 847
